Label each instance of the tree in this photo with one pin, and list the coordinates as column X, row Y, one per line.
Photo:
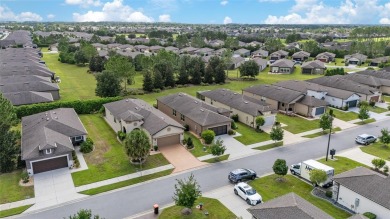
column 317, row 176
column 80, row 57
column 260, row 121
column 231, row 43
column 121, row 39
column 181, row 41
column 280, row 167
column 158, row 82
column 107, row 84
column 137, row 61
column 385, row 137
column 148, row 82
column 363, row 113
column 227, row 59
column 220, row 75
column 276, row 133
column 84, row 214
column 196, row 70
column 137, row 145
column 208, row 136
column 197, row 42
column 120, row 66
column 249, row 69
column 184, row 70
column 186, row 192
column 218, row 149
column 96, row 64
column 378, row 163
column 208, row 75
column 326, row 121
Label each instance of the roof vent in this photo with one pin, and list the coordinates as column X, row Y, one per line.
column 136, row 108
column 202, row 110
column 47, row 119
column 196, row 102
column 246, row 102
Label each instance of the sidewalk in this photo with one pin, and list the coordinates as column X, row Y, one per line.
column 359, row 156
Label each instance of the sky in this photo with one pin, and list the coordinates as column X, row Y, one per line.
column 200, row 11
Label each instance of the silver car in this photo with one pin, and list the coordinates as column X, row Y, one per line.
column 365, row 139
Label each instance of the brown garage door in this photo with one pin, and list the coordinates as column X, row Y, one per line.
column 374, row 99
column 170, row 140
column 51, row 164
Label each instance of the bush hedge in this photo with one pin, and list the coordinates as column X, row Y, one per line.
column 370, row 215
column 208, row 136
column 86, row 146
column 80, row 106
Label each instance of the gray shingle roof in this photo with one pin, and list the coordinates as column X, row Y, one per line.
column 22, row 78
column 358, row 56
column 328, row 54
column 261, row 62
column 368, row 184
column 312, row 101
column 313, row 64
column 337, row 82
column 280, row 94
column 367, row 80
column 50, row 129
column 28, row 97
column 283, row 63
column 238, row 101
column 196, row 110
column 301, row 54
column 377, row 74
column 279, row 52
column 29, row 86
column 289, row 206
column 136, row 109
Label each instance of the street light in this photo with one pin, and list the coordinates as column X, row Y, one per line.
column 330, row 132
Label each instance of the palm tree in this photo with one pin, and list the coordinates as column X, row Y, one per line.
column 137, row 145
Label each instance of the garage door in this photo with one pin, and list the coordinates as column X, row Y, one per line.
column 170, row 140
column 51, row 164
column 352, row 103
column 374, row 99
column 320, row 110
column 219, row 130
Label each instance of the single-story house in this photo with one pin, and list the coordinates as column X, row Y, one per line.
column 204, row 51
column 197, row 114
column 48, row 139
column 172, row 49
column 280, row 54
column 378, row 74
column 313, row 67
column 260, row 53
column 155, row 49
column 219, row 52
column 379, row 83
column 237, row 62
column 141, row 48
column 355, row 59
column 363, row 190
column 38, row 86
column 129, row 114
column 188, row 50
column 216, row 43
column 262, row 63
column 243, row 52
column 282, row 66
column 300, row 56
column 326, row 57
column 379, row 60
column 290, row 206
column 245, row 107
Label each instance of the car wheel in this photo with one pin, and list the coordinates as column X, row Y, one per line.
column 235, row 192
column 238, row 181
column 292, row 172
column 248, row 201
column 253, row 177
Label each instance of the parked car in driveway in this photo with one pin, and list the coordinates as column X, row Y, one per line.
column 247, row 193
column 239, row 175
column 365, row 139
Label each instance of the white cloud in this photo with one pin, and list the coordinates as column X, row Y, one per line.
column 225, row 2
column 227, row 20
column 164, row 18
column 317, row 12
column 50, row 16
column 113, row 11
column 384, row 21
column 7, row 15
column 84, row 3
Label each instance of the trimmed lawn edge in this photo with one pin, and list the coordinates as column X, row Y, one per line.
column 337, row 129
column 220, row 158
column 365, row 121
column 125, row 183
column 269, row 146
column 14, row 211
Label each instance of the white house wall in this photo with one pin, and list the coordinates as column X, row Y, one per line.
column 347, row 198
column 316, row 94
column 116, row 126
column 334, row 101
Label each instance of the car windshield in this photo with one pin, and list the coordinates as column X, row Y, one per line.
column 250, row 192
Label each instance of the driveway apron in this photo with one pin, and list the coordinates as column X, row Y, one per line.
column 179, row 157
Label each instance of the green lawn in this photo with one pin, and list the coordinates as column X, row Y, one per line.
column 14, row 211
column 377, row 149
column 108, row 160
column 386, row 98
column 297, row 124
column 125, row 183
column 214, row 207
column 220, row 158
column 341, row 164
column 76, row 83
column 269, row 146
column 197, row 151
column 365, row 121
column 269, row 188
column 249, row 135
column 322, row 133
column 377, row 109
column 343, row 115
column 10, row 189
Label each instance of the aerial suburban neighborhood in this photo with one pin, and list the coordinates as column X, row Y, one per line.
column 156, row 110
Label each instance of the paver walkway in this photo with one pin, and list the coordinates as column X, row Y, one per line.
column 180, row 158
column 359, row 156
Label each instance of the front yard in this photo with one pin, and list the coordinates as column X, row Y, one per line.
column 321, row 133
column 297, row 124
column 197, row 151
column 341, row 164
column 344, row 115
column 377, row 109
column 365, row 121
column 386, row 98
column 10, row 189
column 377, row 149
column 108, row 160
column 249, row 135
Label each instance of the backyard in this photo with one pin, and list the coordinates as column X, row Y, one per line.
column 249, row 135
column 377, row 149
column 11, row 191
column 297, row 124
column 108, row 159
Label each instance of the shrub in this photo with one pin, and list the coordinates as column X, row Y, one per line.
column 346, row 107
column 370, row 215
column 388, row 107
column 378, row 163
column 155, row 148
column 25, row 177
column 121, row 135
column 76, row 163
column 231, row 132
column 235, row 117
column 386, row 170
column 208, row 136
column 276, row 123
column 184, row 141
column 86, row 146
column 190, row 144
column 157, row 90
column 372, row 103
column 233, row 125
column 329, row 194
column 186, row 127
column 155, row 105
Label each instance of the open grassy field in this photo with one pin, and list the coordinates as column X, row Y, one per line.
column 249, row 135
column 10, row 189
column 297, row 124
column 108, row 160
column 76, row 83
column 377, row 149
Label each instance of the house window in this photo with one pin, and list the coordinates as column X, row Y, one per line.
column 48, row 151
column 182, row 117
column 282, row 104
column 174, row 112
column 78, row 138
column 114, row 120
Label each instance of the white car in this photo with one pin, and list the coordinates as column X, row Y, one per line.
column 246, row 192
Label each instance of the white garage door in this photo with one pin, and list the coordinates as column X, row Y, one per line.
column 269, row 121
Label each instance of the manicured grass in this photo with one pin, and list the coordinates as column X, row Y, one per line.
column 14, row 211
column 269, row 146
column 377, row 109
column 76, row 83
column 249, row 135
column 341, row 164
column 344, row 115
column 297, row 124
column 214, row 207
column 377, row 149
column 386, row 98
column 322, row 133
column 126, row 183
column 365, row 121
column 108, row 160
column 10, row 189
column 220, row 158
column 197, row 151
column 269, row 188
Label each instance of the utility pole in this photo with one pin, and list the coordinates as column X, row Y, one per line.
column 330, row 132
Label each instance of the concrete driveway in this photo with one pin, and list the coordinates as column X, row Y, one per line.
column 179, row 157
column 52, row 188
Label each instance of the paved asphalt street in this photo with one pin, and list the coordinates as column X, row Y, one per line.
column 139, row 198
